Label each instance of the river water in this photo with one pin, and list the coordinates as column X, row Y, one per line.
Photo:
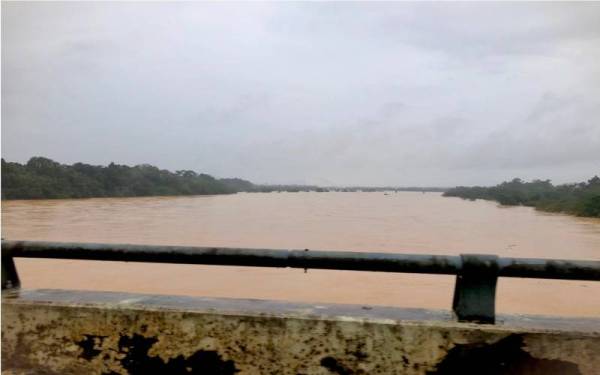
column 397, row 222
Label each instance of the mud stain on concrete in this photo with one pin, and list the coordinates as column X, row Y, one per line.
column 89, row 346
column 335, row 366
column 135, row 359
column 503, row 357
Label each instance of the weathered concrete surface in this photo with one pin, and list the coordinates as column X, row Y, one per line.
column 66, row 332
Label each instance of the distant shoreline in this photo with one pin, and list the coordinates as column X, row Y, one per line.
column 581, row 199
column 43, row 178
column 214, row 195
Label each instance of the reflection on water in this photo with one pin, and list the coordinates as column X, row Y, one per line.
column 398, row 222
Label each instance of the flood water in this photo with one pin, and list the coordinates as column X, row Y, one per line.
column 397, row 222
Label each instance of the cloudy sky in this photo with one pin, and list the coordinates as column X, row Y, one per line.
column 325, row 93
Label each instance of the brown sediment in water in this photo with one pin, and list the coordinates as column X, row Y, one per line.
column 398, row 222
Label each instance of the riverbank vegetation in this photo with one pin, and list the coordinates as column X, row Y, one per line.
column 42, row 178
column 581, row 199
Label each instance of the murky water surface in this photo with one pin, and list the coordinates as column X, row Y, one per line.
column 398, row 222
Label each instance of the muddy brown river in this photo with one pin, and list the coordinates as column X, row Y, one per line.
column 398, row 222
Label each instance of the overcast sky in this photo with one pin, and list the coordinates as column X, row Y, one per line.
column 325, row 93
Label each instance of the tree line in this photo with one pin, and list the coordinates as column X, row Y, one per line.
column 43, row 178
column 581, row 199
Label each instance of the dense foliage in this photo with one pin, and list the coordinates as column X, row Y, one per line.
column 44, row 178
column 582, row 199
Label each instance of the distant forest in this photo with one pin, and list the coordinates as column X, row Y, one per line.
column 582, row 199
column 43, row 178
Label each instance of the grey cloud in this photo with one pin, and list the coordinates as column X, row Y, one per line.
column 549, row 104
column 329, row 93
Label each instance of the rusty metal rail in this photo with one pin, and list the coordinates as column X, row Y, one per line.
column 475, row 288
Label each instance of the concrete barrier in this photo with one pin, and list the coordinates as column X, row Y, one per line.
column 69, row 332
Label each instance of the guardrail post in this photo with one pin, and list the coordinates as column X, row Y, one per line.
column 475, row 289
column 10, row 277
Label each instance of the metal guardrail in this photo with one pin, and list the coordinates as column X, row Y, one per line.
column 474, row 292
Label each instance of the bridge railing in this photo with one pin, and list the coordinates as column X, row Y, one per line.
column 474, row 291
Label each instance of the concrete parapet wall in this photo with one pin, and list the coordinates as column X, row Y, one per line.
column 68, row 332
